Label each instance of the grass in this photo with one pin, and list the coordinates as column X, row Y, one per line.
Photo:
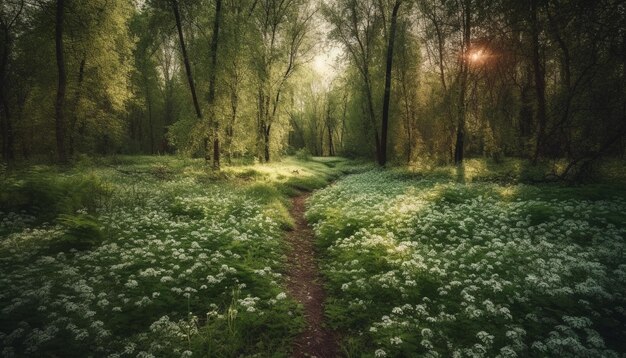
column 150, row 256
column 158, row 256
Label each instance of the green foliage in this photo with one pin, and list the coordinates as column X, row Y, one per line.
column 248, row 175
column 82, row 232
column 303, row 154
column 47, row 195
column 308, row 183
column 264, row 192
column 538, row 213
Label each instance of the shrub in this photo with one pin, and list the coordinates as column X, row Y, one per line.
column 303, row 154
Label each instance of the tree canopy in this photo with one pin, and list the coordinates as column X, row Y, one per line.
column 394, row 80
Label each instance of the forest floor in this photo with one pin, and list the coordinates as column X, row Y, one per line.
column 162, row 257
column 424, row 263
column 304, row 283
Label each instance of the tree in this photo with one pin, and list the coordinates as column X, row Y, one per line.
column 281, row 28
column 382, row 157
column 356, row 25
column 183, row 48
column 466, row 24
column 10, row 15
column 540, row 86
column 62, row 83
column 213, row 122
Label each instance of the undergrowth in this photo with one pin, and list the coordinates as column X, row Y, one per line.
column 420, row 264
column 149, row 256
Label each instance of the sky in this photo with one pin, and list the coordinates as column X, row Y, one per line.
column 327, row 60
column 327, row 63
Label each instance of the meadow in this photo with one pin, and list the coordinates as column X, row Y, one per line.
column 161, row 257
column 149, row 257
column 420, row 265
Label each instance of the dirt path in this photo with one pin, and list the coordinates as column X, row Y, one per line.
column 305, row 285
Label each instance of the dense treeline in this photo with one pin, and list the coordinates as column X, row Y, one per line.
column 434, row 79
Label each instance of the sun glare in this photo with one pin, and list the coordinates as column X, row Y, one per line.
column 476, row 56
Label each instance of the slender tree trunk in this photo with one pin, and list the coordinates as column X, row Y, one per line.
column 408, row 120
column 260, row 121
column 230, row 127
column 150, row 119
column 566, row 74
column 440, row 47
column 213, row 122
column 266, row 142
column 7, row 131
column 5, row 114
column 183, row 48
column 370, row 109
column 62, row 82
column 6, row 125
column 74, row 119
column 20, row 119
column 459, row 152
column 168, row 118
column 331, row 148
column 343, row 122
column 540, row 84
column 526, row 105
column 382, row 160
column 319, row 141
column 408, row 112
column 189, row 74
column 460, row 137
column 229, row 142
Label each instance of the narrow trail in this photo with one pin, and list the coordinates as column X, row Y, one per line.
column 304, row 283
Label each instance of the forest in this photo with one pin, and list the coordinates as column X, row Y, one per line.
column 326, row 178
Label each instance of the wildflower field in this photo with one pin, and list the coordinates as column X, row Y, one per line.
column 161, row 257
column 423, row 266
column 140, row 257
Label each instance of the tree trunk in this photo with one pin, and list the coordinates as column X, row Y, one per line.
column 343, row 122
column 8, row 152
column 382, row 159
column 266, row 143
column 5, row 114
column 566, row 73
column 331, row 148
column 183, row 48
column 459, row 152
column 409, row 117
column 62, row 82
column 370, row 109
column 213, row 122
column 150, row 124
column 540, row 84
column 6, row 125
column 74, row 119
column 230, row 127
column 229, row 143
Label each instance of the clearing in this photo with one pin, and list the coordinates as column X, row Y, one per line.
column 159, row 257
